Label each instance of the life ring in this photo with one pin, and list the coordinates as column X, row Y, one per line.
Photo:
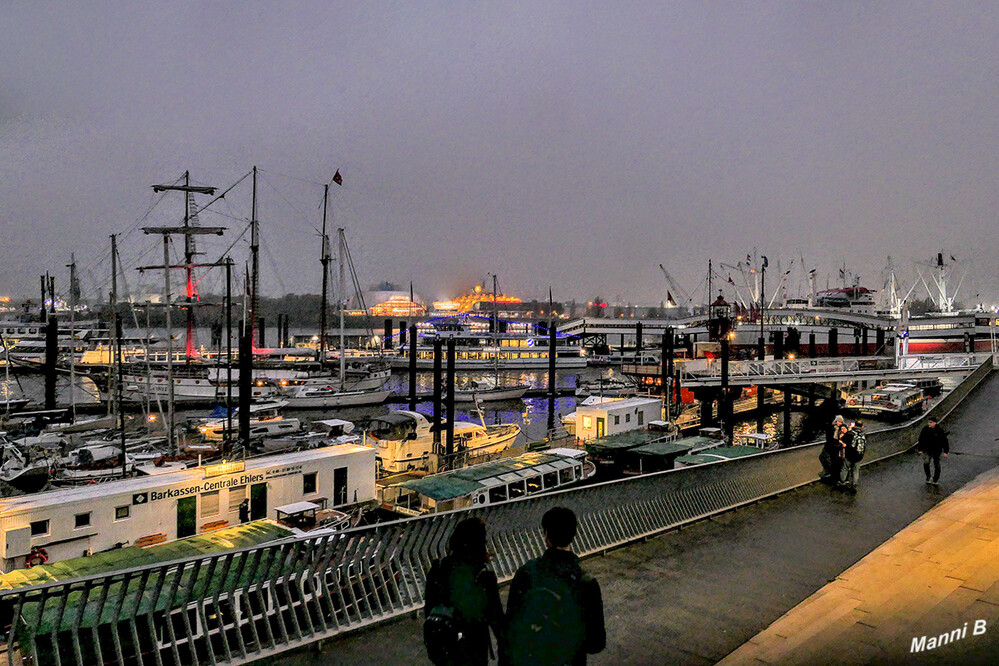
column 35, row 557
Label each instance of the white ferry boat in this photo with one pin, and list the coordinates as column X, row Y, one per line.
column 896, row 401
column 404, row 440
column 480, row 349
column 489, row 483
column 69, row 523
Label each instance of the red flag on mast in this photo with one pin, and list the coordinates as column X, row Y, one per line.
column 337, row 178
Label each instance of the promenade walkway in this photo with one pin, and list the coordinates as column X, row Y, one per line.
column 930, row 594
column 696, row 595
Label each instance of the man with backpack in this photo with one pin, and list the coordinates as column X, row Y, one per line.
column 555, row 614
column 854, row 446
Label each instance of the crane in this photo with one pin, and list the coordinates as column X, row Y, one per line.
column 672, row 284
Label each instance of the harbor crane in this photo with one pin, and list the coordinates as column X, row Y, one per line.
column 672, row 283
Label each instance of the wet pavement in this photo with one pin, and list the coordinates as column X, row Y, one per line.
column 694, row 595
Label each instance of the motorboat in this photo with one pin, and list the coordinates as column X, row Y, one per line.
column 488, row 390
column 326, row 396
column 265, row 421
column 328, row 432
column 607, row 386
column 404, row 441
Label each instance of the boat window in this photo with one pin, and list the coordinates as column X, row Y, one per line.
column 82, row 520
column 517, row 489
column 497, row 494
column 236, row 497
column 122, row 512
column 551, row 479
column 627, row 418
column 641, row 418
column 533, row 485
column 209, row 503
column 40, row 527
column 565, row 475
column 309, row 483
column 617, row 419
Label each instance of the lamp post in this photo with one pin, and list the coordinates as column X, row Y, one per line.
column 719, row 328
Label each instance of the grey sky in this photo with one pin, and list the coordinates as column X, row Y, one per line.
column 571, row 144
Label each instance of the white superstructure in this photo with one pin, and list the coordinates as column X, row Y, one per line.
column 146, row 510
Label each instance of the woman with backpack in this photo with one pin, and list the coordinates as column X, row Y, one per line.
column 462, row 601
column 854, row 446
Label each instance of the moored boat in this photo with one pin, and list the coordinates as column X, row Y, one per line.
column 489, row 483
column 404, row 441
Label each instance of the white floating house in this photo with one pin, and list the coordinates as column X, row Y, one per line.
column 611, row 418
column 74, row 522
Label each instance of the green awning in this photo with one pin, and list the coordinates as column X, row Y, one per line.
column 229, row 538
column 662, row 449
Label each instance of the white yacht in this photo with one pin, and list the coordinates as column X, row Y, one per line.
column 404, row 441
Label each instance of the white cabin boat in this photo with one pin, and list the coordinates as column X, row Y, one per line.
column 892, row 401
column 72, row 522
column 616, row 416
column 489, row 483
column 265, row 421
column 404, row 441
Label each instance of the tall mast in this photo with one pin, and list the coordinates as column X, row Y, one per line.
column 113, row 304
column 254, row 257
column 188, row 258
column 325, row 261
column 341, row 301
column 188, row 229
column 72, row 334
column 168, row 298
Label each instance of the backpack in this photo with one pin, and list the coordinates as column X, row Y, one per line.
column 442, row 634
column 550, row 628
column 444, row 627
column 855, row 452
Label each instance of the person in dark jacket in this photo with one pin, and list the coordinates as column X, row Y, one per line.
column 555, row 613
column 832, row 453
column 461, row 579
column 932, row 444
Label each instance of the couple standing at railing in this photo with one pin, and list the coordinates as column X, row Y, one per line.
column 554, row 613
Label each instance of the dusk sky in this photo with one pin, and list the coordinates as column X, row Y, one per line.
column 572, row 145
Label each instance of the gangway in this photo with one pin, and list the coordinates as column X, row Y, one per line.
column 707, row 372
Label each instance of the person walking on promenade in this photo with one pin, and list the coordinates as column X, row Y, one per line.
column 854, row 445
column 555, row 613
column 832, row 453
column 932, row 444
column 462, row 601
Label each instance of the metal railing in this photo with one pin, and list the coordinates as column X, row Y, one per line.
column 860, row 368
column 244, row 605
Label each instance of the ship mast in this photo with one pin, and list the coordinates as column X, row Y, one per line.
column 325, row 261
column 254, row 258
column 341, row 301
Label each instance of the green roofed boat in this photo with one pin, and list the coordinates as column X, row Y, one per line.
column 488, row 483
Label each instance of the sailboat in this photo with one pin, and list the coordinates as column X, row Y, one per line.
column 330, row 391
